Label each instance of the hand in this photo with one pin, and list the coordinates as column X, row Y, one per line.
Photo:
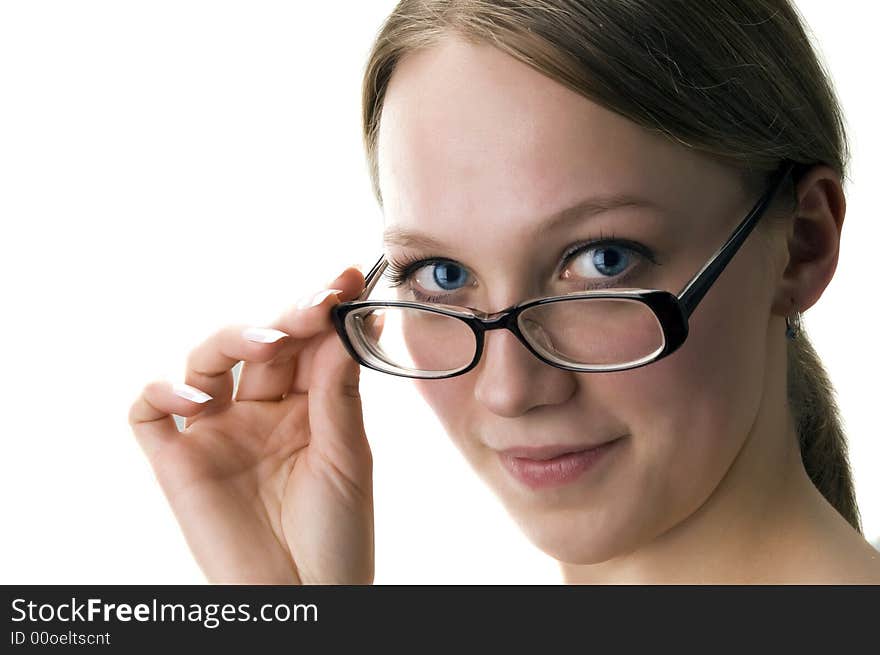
column 275, row 485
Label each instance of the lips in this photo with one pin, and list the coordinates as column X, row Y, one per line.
column 541, row 467
column 543, row 453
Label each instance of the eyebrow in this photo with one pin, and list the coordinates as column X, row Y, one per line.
column 583, row 210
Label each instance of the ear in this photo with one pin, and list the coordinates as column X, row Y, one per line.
column 813, row 241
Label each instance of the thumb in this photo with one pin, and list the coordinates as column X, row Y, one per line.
column 335, row 411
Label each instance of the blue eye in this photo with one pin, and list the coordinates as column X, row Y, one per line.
column 607, row 261
column 426, row 273
column 447, row 275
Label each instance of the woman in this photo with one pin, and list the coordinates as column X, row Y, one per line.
column 525, row 150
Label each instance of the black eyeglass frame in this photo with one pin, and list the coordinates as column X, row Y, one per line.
column 672, row 311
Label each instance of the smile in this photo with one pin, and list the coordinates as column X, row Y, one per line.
column 559, row 470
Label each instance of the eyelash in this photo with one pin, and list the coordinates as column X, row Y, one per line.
column 400, row 270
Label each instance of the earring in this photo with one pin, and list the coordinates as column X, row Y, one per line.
column 793, row 325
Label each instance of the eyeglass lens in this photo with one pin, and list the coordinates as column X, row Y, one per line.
column 593, row 333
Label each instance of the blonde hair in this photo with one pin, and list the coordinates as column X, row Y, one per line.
column 738, row 81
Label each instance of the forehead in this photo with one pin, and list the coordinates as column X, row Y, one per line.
column 471, row 136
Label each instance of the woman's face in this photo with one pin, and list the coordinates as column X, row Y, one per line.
column 478, row 151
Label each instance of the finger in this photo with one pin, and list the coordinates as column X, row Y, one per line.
column 209, row 365
column 271, row 380
column 150, row 416
column 302, row 377
column 337, row 434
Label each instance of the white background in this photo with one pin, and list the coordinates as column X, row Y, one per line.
column 167, row 168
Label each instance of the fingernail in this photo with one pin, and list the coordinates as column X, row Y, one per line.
column 190, row 393
column 317, row 299
column 263, row 335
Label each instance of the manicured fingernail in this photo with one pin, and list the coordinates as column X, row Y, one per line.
column 190, row 393
column 263, row 335
column 317, row 299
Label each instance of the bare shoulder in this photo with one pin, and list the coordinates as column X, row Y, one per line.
column 865, row 566
column 833, row 551
column 826, row 549
column 848, row 559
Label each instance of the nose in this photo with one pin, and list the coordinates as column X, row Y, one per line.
column 510, row 380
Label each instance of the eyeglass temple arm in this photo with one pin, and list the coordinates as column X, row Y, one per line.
column 703, row 280
column 372, row 277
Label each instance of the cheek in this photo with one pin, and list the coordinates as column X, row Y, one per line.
column 691, row 412
column 453, row 403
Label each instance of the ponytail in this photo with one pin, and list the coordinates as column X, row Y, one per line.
column 820, row 429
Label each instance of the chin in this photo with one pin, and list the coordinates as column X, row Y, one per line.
column 573, row 535
column 570, row 545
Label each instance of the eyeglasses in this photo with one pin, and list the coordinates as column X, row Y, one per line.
column 588, row 331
